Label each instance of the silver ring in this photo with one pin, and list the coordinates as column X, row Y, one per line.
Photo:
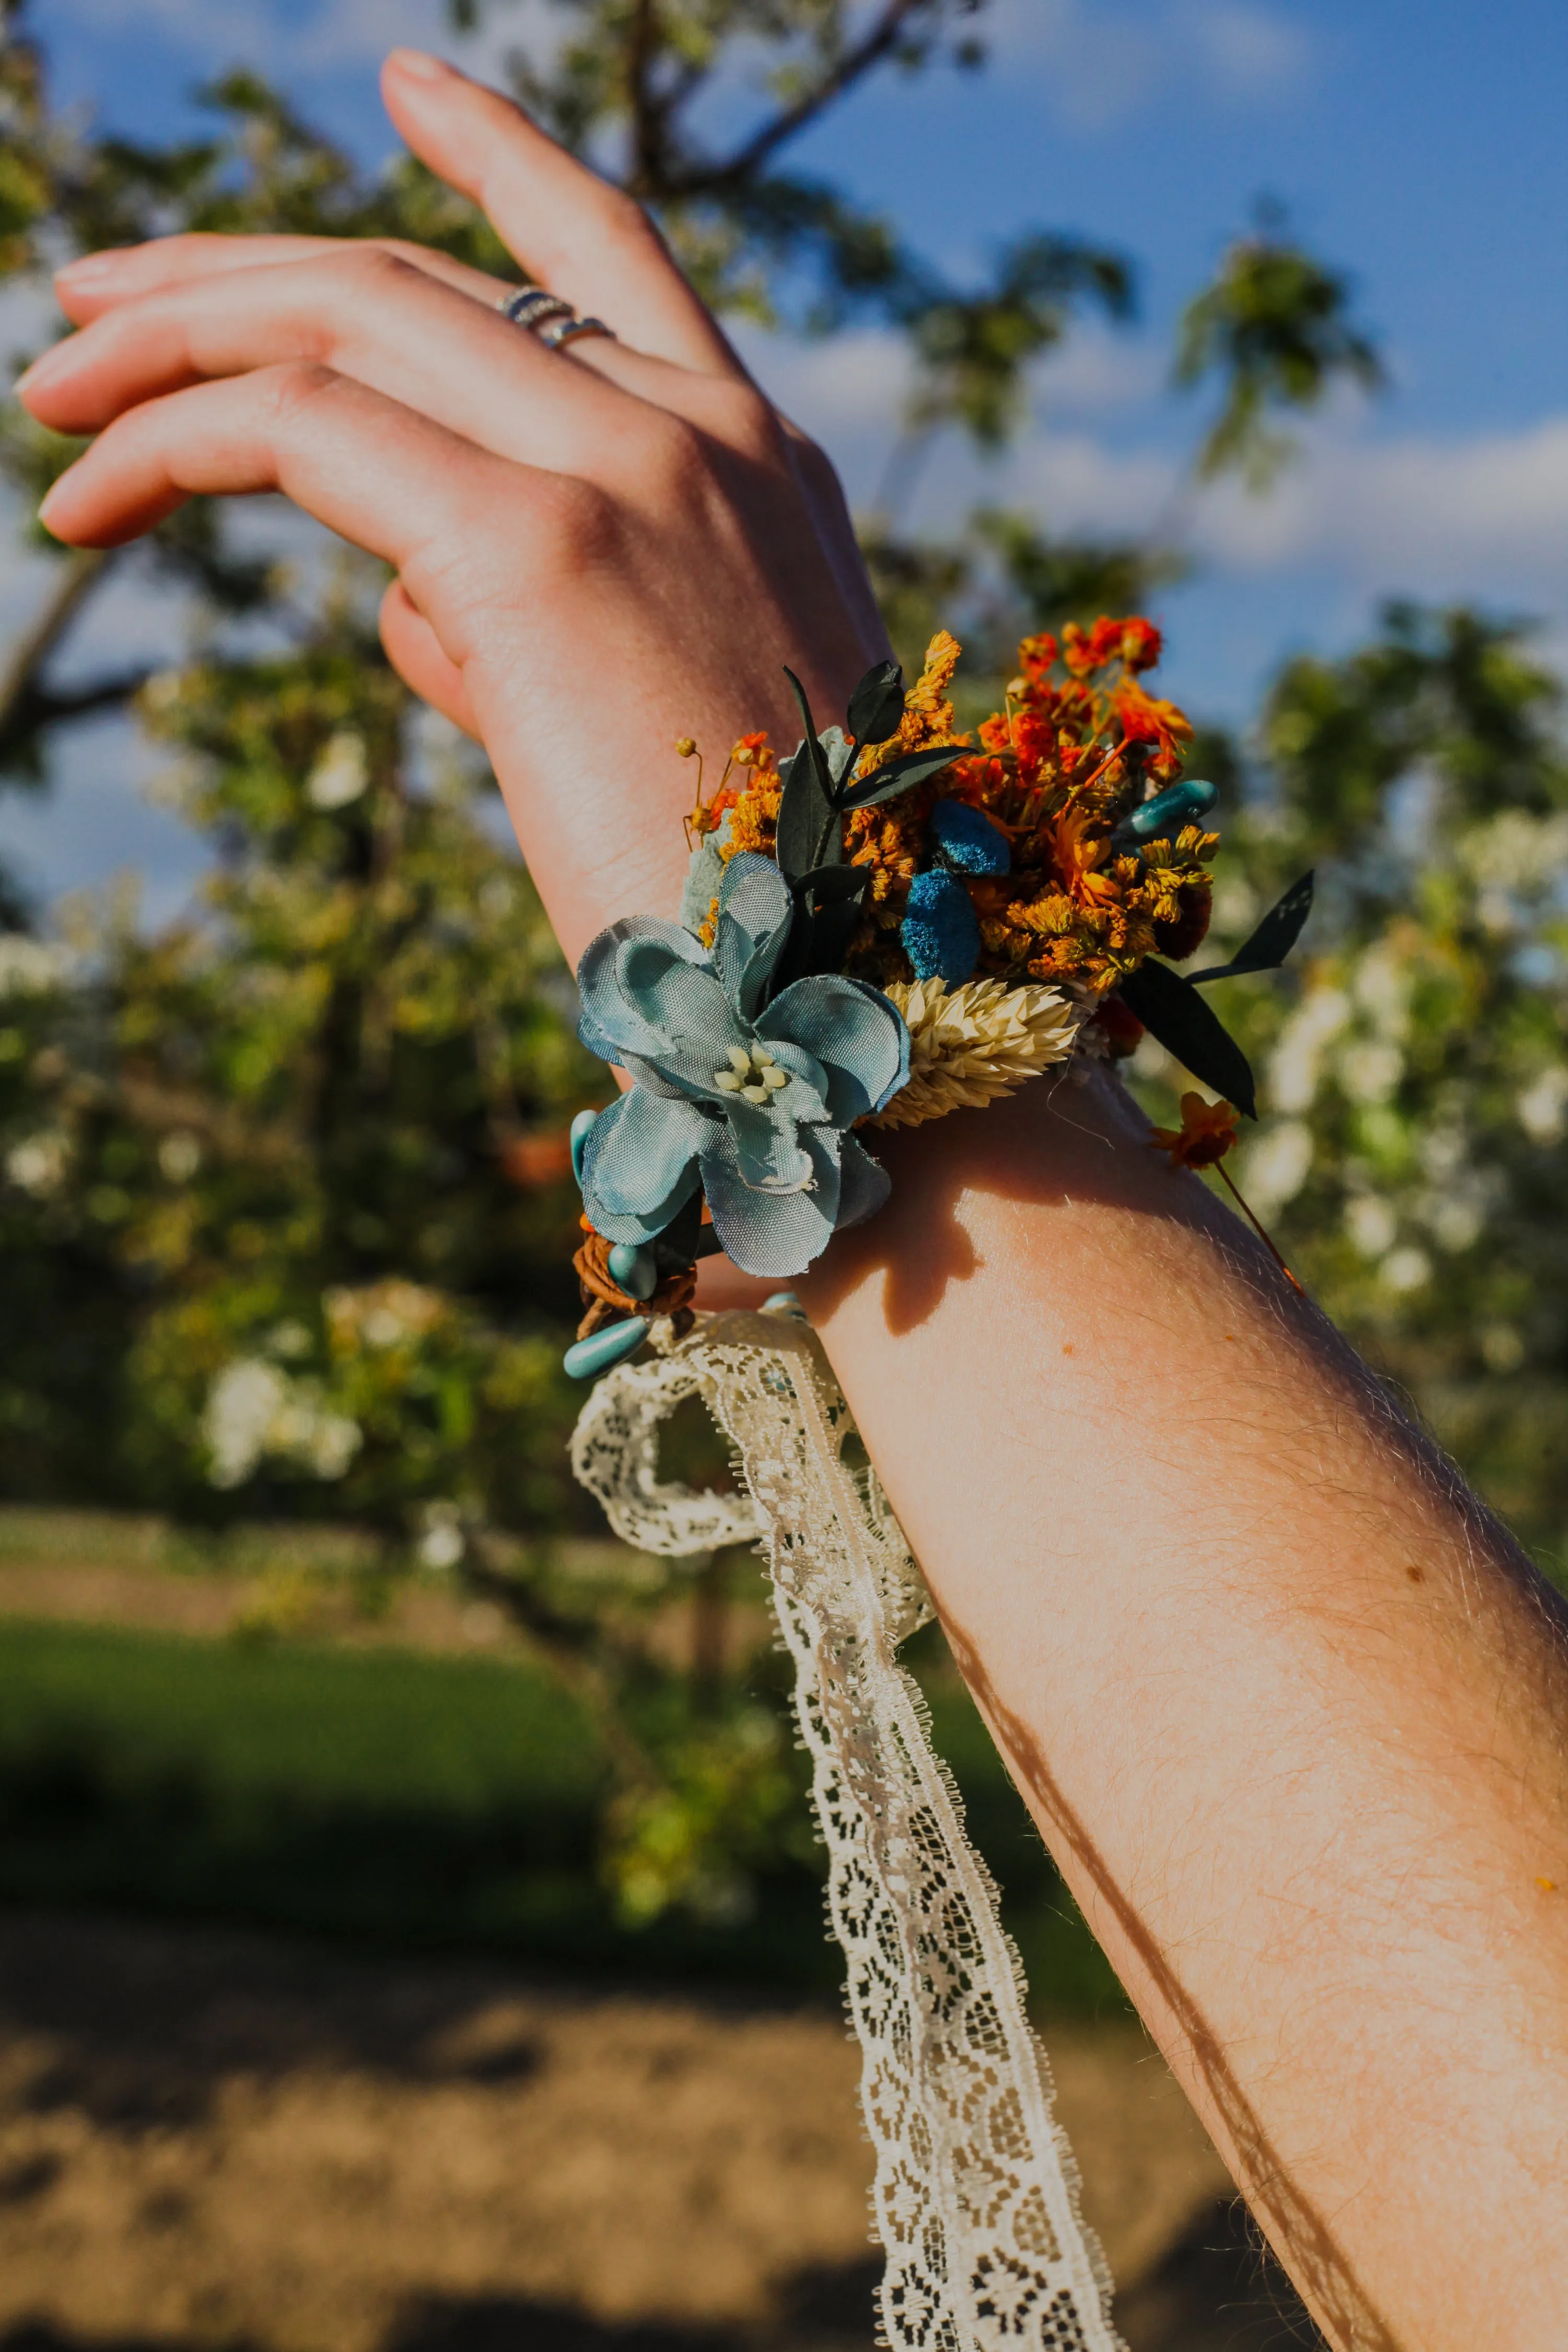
column 533, row 307
column 561, row 332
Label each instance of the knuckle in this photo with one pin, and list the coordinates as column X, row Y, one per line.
column 296, row 387
column 675, row 454
column 401, row 249
column 577, row 527
column 377, row 269
column 748, row 420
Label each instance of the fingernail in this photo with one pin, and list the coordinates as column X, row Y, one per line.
column 48, row 364
column 46, row 501
column 87, row 267
column 420, row 64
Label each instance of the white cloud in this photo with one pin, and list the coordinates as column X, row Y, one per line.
column 1479, row 514
column 1247, row 53
column 1096, row 67
column 848, row 393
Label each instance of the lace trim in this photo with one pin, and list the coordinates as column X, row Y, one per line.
column 975, row 2194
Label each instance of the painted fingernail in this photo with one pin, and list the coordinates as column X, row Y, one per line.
column 420, row 64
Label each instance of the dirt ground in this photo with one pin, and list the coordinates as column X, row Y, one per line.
column 213, row 2140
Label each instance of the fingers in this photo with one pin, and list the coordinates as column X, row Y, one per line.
column 412, row 324
column 420, row 659
column 97, row 282
column 577, row 236
column 363, row 313
column 392, row 481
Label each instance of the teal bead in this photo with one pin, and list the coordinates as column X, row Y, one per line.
column 611, row 1344
column 785, row 1302
column 580, row 1126
column 634, row 1269
column 1177, row 806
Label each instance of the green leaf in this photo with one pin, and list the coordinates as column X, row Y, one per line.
column 877, row 705
column 1271, row 942
column 809, row 831
column 1176, row 1017
column 678, row 1243
column 827, row 909
column 810, row 744
column 899, row 775
column 829, row 885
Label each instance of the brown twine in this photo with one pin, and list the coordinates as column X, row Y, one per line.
column 606, row 1302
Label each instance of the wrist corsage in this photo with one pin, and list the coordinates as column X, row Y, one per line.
column 895, row 922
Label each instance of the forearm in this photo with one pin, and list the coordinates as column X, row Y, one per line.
column 1288, row 1706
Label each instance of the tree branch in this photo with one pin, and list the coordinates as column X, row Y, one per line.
column 648, row 124
column 878, row 42
column 77, row 576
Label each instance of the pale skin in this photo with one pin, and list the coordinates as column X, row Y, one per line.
column 1290, row 1709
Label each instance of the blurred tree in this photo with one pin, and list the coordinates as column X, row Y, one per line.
column 284, row 1223
column 1275, row 328
column 1414, row 1147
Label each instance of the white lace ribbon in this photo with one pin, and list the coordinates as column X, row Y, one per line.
column 977, row 2189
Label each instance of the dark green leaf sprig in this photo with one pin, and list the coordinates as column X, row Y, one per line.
column 820, row 788
column 1168, row 1005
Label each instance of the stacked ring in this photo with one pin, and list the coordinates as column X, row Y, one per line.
column 544, row 314
column 567, row 330
column 533, row 307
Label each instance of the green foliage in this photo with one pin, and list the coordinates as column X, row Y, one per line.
column 1413, row 1061
column 437, row 1802
column 284, row 1226
column 1275, row 328
column 971, row 351
column 289, row 1131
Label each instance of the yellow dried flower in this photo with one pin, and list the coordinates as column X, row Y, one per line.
column 973, row 1044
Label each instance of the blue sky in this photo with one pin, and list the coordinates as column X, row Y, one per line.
column 1421, row 149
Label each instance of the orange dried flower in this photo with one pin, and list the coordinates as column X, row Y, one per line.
column 1056, row 772
column 1207, row 1133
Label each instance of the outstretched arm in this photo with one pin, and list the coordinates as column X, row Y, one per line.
column 1290, row 1709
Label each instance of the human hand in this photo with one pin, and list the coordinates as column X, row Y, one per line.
column 597, row 550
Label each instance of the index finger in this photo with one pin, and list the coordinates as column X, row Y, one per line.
column 103, row 281
column 586, row 241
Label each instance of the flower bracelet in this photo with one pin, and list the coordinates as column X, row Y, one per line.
column 896, row 922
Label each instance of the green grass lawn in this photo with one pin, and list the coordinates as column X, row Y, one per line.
column 402, row 1798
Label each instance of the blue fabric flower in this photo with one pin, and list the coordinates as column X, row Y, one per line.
column 751, row 1103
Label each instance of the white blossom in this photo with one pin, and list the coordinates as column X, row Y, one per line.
column 1294, row 1066
column 242, row 1405
column 1277, row 1165
column 180, row 1156
column 1371, row 1224
column 1515, row 852
column 31, row 967
column 288, row 1340
column 340, row 774
column 255, row 1410
column 1406, row 1269
column 1543, row 1107
column 1370, row 1069
column 1455, row 1223
column 38, row 1163
column 440, row 1545
column 1502, row 1347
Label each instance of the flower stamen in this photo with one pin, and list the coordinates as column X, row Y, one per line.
column 754, row 1075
